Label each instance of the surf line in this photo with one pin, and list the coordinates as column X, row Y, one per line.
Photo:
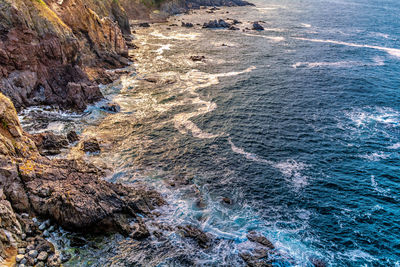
column 392, row 51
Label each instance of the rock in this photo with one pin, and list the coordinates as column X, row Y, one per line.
column 203, row 240
column 227, row 200
column 257, row 27
column 72, row 137
column 19, row 258
column 33, row 253
column 253, row 261
column 91, row 145
column 139, row 231
column 46, row 233
column 233, row 28
column 144, row 25
column 259, row 238
column 39, row 264
column 216, row 24
column 197, row 58
column 53, row 261
column 187, row 25
column 49, row 143
column 111, row 107
column 42, row 256
column 235, row 22
column 316, row 262
column 76, row 241
column 21, row 251
column 65, row 256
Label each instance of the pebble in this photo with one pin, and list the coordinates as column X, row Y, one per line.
column 30, row 247
column 33, row 253
column 21, row 251
column 46, row 233
column 19, row 258
column 42, row 256
column 39, row 264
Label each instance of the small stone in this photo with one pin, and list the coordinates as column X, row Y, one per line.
column 51, row 228
column 53, row 261
column 39, row 264
column 42, row 256
column 33, row 253
column 227, row 200
column 21, row 251
column 46, row 233
column 23, row 236
column 30, row 247
column 144, row 25
column 257, row 27
column 197, row 58
column 24, row 261
column 19, row 257
column 42, row 227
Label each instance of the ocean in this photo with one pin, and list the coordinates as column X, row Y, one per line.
column 298, row 125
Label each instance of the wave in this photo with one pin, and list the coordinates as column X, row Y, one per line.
column 289, row 168
column 340, row 64
column 273, row 38
column 391, row 51
column 376, row 156
column 305, row 25
column 162, row 48
column 176, row 36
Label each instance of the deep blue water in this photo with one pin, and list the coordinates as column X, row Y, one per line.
column 299, row 125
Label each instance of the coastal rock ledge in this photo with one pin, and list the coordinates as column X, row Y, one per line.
column 68, row 192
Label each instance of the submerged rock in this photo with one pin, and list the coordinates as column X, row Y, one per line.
column 72, row 137
column 260, row 239
column 144, row 25
column 203, row 240
column 197, row 58
column 257, row 27
column 111, row 107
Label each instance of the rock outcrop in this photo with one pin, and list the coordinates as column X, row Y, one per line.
column 70, row 193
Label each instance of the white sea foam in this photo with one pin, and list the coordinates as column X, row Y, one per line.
column 377, row 61
column 289, row 168
column 394, row 146
column 376, row 156
column 175, row 35
column 305, row 25
column 272, row 38
column 162, row 48
column 392, row 51
column 376, row 187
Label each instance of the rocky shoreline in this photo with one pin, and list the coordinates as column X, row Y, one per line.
column 57, row 53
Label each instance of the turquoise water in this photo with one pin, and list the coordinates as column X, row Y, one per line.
column 299, row 125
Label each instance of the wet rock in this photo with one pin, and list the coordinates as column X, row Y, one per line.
column 187, row 24
column 257, row 27
column 203, row 240
column 76, row 241
column 72, row 137
column 235, row 22
column 260, row 239
column 91, row 146
column 42, row 256
column 53, row 261
column 316, row 262
column 144, row 25
column 197, row 58
column 139, row 231
column 65, row 256
column 40, row 264
column 21, row 251
column 212, row 24
column 227, row 200
column 111, row 107
column 254, row 261
column 49, row 143
column 233, row 28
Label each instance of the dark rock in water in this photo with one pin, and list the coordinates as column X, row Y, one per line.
column 91, row 145
column 144, row 25
column 76, row 241
column 197, row 58
column 233, row 28
column 216, row 24
column 72, row 137
column 111, row 107
column 139, row 230
column 65, row 256
column 257, row 27
column 214, row 8
column 203, row 240
column 260, row 239
column 173, row 25
column 235, row 22
column 187, row 24
column 201, row 204
column 49, row 143
column 227, row 200
column 316, row 262
column 254, row 260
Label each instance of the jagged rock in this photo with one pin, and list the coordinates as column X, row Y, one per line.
column 197, row 58
column 33, row 253
column 257, row 27
column 49, row 143
column 91, row 145
column 216, row 24
column 203, row 240
column 72, row 137
column 260, row 239
column 111, row 107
